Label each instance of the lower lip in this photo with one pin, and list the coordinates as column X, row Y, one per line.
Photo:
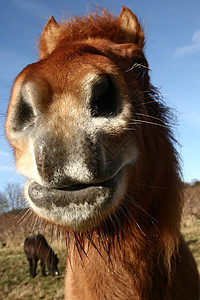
column 42, row 196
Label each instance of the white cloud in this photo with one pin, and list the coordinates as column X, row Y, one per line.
column 191, row 48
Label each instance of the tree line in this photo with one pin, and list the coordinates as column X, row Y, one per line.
column 11, row 198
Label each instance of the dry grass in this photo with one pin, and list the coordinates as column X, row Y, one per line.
column 16, row 282
column 191, row 232
column 191, row 220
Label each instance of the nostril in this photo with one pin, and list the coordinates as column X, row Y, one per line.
column 23, row 112
column 24, row 115
column 27, row 103
column 105, row 98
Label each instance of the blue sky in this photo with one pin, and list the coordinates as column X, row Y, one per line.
column 172, row 49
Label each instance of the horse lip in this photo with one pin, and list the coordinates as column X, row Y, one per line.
column 82, row 186
column 46, row 196
column 79, row 187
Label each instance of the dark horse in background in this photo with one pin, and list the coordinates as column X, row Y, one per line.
column 36, row 248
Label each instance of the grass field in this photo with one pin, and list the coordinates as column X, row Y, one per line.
column 15, row 280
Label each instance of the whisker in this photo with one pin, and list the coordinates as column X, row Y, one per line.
column 23, row 222
column 24, row 217
column 136, row 122
column 136, row 65
column 132, row 217
column 137, row 224
column 149, row 116
column 151, row 218
column 21, row 213
column 136, row 204
column 78, row 246
column 35, row 224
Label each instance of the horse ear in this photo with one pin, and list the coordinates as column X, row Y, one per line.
column 49, row 37
column 133, row 32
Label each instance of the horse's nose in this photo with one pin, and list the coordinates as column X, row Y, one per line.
column 29, row 102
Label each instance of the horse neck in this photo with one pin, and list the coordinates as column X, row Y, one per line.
column 97, row 271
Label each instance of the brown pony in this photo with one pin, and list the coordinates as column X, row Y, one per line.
column 90, row 132
column 36, row 248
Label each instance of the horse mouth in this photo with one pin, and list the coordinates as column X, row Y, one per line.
column 78, row 207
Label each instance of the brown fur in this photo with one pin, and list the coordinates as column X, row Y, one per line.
column 136, row 250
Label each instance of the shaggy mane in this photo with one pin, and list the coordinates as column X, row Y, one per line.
column 99, row 24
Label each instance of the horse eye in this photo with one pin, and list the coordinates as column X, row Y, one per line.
column 105, row 98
